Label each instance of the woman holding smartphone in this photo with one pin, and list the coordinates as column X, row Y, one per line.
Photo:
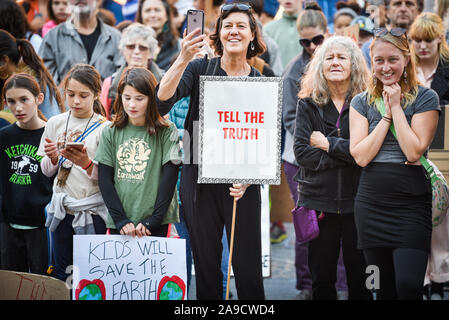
column 208, row 207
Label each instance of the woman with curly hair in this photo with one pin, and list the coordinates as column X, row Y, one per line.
column 208, row 207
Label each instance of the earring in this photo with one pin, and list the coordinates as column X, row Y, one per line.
column 405, row 76
column 252, row 46
column 374, row 79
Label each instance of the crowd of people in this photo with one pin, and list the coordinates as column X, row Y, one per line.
column 87, row 85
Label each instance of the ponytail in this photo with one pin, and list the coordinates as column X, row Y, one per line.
column 99, row 108
column 33, row 61
column 41, row 115
column 88, row 76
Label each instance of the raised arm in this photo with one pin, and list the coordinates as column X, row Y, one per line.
column 189, row 48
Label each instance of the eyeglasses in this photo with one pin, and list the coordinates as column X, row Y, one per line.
column 140, row 47
column 317, row 40
column 397, row 32
column 240, row 6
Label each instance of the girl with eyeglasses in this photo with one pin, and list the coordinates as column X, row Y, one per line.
column 138, row 46
column 208, row 207
column 393, row 205
column 432, row 55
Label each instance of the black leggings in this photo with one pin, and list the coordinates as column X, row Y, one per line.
column 401, row 271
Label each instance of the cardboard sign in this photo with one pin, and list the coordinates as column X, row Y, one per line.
column 352, row 32
column 29, row 286
column 116, row 267
column 240, row 130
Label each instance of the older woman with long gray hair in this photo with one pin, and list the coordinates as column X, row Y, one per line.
column 138, row 46
column 328, row 175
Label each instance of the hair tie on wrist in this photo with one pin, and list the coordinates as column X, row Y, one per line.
column 87, row 167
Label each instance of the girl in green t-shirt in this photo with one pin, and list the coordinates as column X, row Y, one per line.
column 138, row 161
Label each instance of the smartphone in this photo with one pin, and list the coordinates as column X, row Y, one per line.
column 77, row 145
column 195, row 19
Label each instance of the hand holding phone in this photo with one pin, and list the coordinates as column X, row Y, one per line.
column 76, row 145
column 195, row 19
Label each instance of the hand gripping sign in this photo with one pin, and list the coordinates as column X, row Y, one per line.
column 116, row 267
column 240, row 130
column 239, row 134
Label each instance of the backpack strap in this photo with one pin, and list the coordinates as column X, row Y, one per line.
column 212, row 65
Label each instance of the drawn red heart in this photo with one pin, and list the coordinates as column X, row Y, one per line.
column 176, row 280
column 94, row 283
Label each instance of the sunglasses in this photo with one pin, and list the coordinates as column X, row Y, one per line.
column 397, row 32
column 317, row 40
column 133, row 46
column 240, row 6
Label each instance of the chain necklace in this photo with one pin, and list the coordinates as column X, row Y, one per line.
column 66, row 166
column 66, row 129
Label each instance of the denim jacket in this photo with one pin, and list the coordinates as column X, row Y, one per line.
column 62, row 47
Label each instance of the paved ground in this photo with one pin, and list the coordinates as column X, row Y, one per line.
column 281, row 284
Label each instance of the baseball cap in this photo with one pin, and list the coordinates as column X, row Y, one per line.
column 365, row 23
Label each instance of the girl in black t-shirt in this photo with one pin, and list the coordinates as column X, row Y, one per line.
column 25, row 191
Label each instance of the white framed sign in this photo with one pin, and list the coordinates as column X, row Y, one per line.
column 117, row 267
column 240, row 130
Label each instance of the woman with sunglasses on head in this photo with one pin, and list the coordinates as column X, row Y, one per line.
column 432, row 56
column 393, row 205
column 208, row 207
column 328, row 175
column 138, row 46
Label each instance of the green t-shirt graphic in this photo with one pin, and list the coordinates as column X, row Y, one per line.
column 137, row 159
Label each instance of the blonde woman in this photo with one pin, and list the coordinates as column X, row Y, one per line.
column 328, row 175
column 394, row 202
column 432, row 56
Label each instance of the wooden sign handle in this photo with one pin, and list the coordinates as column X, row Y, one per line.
column 231, row 247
